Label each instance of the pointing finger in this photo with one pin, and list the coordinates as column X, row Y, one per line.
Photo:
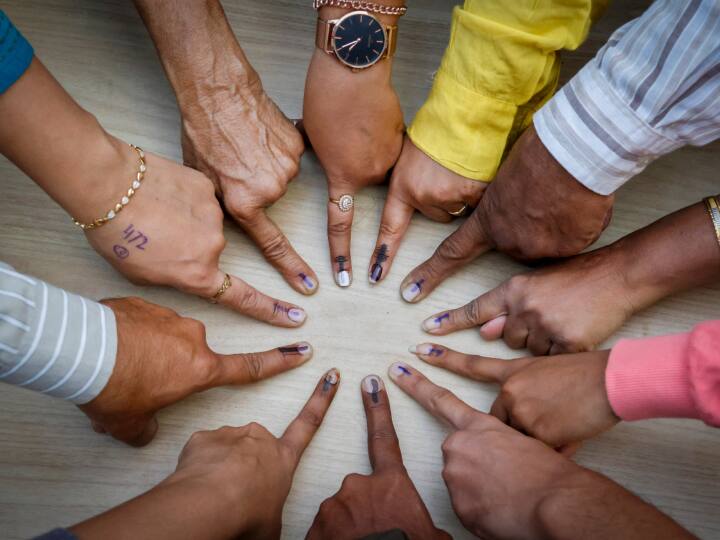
column 247, row 368
column 393, row 226
column 278, row 251
column 248, row 300
column 339, row 228
column 383, row 446
column 458, row 249
column 485, row 307
column 479, row 368
column 300, row 432
column 438, row 401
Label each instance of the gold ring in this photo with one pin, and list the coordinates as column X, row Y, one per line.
column 344, row 203
column 459, row 213
column 226, row 284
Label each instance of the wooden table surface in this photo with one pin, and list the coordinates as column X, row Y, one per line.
column 54, row 470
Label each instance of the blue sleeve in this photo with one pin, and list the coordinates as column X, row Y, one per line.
column 15, row 53
column 57, row 534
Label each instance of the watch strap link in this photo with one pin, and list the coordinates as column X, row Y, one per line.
column 362, row 5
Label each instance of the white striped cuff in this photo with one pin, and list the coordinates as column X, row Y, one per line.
column 595, row 135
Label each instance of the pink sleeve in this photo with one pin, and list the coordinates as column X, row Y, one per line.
column 667, row 376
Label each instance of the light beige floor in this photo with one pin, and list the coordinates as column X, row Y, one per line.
column 55, row 471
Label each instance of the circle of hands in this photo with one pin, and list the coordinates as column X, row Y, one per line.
column 241, row 152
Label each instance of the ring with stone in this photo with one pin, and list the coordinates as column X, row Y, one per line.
column 344, row 203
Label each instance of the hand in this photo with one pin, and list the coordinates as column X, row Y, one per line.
column 171, row 233
column 533, row 209
column 229, row 483
column 560, row 400
column 383, row 501
column 355, row 125
column 504, row 484
column 419, row 183
column 251, row 152
column 163, row 358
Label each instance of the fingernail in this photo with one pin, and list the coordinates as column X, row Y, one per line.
column 303, row 349
column 297, row 315
column 399, row 369
column 376, row 273
column 331, row 379
column 372, row 384
column 433, row 323
column 412, row 291
column 343, row 278
column 308, row 282
column 425, row 349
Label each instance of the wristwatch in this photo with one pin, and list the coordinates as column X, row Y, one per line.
column 357, row 39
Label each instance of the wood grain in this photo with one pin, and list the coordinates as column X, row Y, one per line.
column 55, row 471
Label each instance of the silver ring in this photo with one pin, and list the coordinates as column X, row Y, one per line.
column 344, row 203
column 459, row 213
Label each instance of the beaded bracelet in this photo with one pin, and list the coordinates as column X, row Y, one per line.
column 714, row 210
column 99, row 222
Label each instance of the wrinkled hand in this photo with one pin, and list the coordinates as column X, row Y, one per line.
column 355, row 124
column 163, row 358
column 383, row 501
column 229, row 483
column 560, row 400
column 418, row 183
column 533, row 209
column 242, row 141
column 171, row 233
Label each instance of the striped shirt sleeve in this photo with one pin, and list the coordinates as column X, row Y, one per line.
column 53, row 341
column 654, row 87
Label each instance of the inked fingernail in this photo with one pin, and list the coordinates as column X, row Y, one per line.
column 331, row 379
column 372, row 384
column 399, row 369
column 343, row 276
column 303, row 349
column 424, row 349
column 308, row 282
column 381, row 255
column 296, row 315
column 433, row 323
column 412, row 291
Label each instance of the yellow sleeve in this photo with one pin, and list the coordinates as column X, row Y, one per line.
column 501, row 65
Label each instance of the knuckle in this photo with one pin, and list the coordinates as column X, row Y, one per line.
column 439, row 398
column 250, row 298
column 276, row 248
column 339, row 228
column 383, row 434
column 471, row 311
column 311, row 418
column 452, row 249
column 254, row 365
column 388, row 230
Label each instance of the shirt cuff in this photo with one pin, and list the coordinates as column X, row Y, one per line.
column 15, row 53
column 595, row 135
column 463, row 130
column 649, row 378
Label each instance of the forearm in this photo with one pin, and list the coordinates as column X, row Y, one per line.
column 61, row 146
column 593, row 507
column 197, row 47
column 173, row 509
column 677, row 252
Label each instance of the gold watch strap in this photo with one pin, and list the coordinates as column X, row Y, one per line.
column 323, row 34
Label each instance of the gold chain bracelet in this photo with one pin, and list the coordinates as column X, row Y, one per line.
column 714, row 210
column 363, row 5
column 99, row 222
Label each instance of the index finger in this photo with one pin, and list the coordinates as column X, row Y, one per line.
column 393, row 226
column 383, row 446
column 278, row 251
column 438, row 401
column 340, row 212
column 301, row 430
column 468, row 242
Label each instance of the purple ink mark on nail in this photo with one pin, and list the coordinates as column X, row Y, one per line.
column 376, row 273
column 307, row 281
column 279, row 308
column 293, row 350
column 375, row 390
column 121, row 251
column 417, row 286
column 441, row 318
column 435, row 352
column 404, row 370
column 326, row 385
column 341, row 260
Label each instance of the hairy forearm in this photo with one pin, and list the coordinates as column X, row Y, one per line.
column 197, row 47
column 677, row 252
column 61, row 146
column 594, row 508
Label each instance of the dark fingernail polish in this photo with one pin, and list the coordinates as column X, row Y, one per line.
column 376, row 273
column 381, row 255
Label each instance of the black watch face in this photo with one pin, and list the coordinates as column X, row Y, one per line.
column 359, row 40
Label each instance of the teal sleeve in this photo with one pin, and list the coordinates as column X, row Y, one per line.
column 15, row 53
